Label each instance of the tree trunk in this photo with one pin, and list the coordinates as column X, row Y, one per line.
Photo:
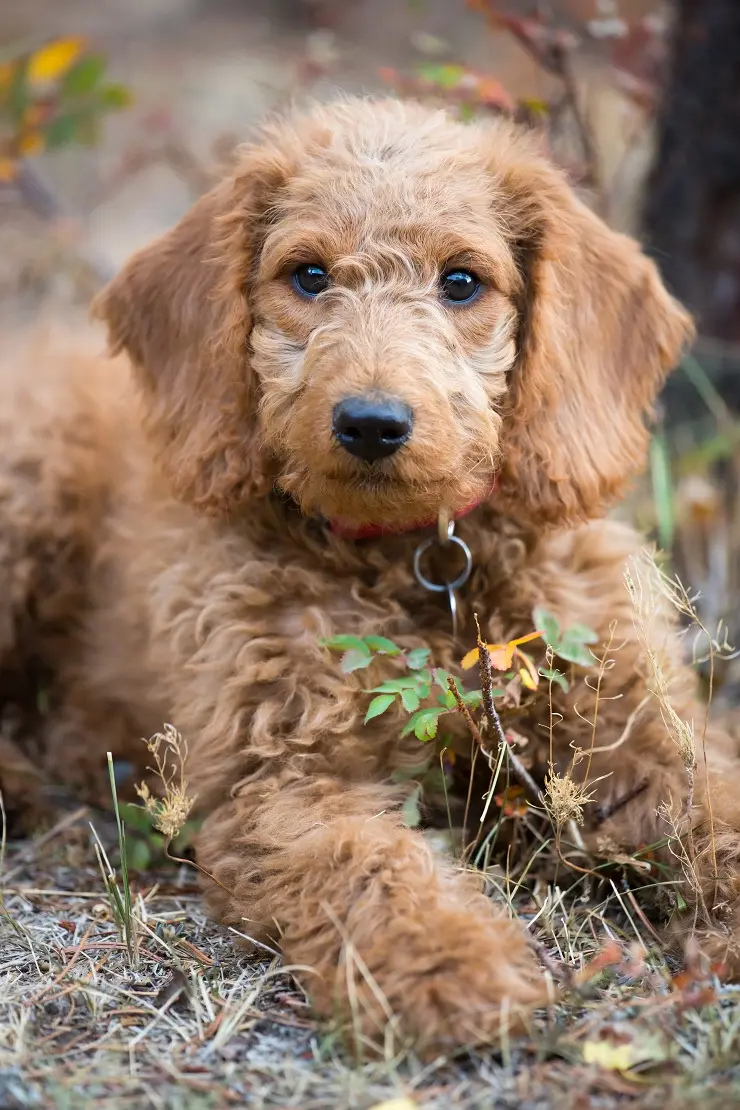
column 692, row 211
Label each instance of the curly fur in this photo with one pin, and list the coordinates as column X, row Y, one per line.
column 150, row 571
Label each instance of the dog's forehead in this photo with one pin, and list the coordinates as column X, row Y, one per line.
column 387, row 164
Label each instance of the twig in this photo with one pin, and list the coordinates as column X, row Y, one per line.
column 494, row 721
column 521, row 773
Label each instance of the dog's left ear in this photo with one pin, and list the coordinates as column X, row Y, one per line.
column 598, row 335
column 180, row 309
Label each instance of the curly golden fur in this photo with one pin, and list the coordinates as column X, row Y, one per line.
column 164, row 553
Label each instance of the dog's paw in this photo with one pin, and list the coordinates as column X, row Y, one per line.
column 447, row 980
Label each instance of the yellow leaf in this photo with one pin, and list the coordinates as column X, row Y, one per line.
column 527, row 680
column 31, row 143
column 396, row 1104
column 53, row 60
column 528, row 673
column 609, row 1056
column 6, row 74
column 501, row 654
column 7, row 170
column 525, row 639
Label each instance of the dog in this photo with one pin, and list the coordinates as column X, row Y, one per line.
column 379, row 326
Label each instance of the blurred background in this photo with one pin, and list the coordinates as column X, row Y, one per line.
column 114, row 115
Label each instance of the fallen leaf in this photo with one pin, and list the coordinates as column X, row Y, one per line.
column 609, row 1056
column 396, row 1104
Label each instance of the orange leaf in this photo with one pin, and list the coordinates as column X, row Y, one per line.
column 8, row 170
column 501, row 655
column 53, row 60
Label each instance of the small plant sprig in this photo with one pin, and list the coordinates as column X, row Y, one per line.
column 168, row 813
column 427, row 693
column 50, row 97
column 422, row 681
column 119, row 896
column 411, row 689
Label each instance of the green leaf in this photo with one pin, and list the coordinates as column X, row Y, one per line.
column 555, row 676
column 343, row 643
column 379, row 705
column 448, row 700
column 396, row 685
column 411, row 811
column 84, row 75
column 434, row 779
column 549, row 625
column 441, row 678
column 138, row 854
column 417, row 658
column 473, row 698
column 60, row 132
column 18, row 96
column 381, row 645
column 580, row 632
column 136, row 817
column 88, row 130
column 355, row 660
column 423, row 723
column 410, row 700
column 113, row 97
column 660, row 473
column 574, row 652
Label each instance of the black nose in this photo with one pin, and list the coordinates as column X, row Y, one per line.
column 372, row 427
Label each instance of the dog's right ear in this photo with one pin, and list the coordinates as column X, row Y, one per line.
column 180, row 309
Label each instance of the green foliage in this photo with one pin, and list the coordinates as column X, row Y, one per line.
column 144, row 846
column 52, row 97
column 570, row 644
column 411, row 690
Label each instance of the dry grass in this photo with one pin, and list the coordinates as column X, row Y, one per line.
column 194, row 1023
column 116, row 986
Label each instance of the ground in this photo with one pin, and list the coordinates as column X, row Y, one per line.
column 184, row 1018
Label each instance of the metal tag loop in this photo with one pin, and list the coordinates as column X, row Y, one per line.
column 444, row 538
column 442, row 587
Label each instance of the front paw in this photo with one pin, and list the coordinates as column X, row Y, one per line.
column 441, row 980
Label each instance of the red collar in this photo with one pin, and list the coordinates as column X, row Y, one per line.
column 374, row 531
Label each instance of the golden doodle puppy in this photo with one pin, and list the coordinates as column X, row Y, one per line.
column 380, row 317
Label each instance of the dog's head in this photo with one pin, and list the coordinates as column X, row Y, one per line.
column 383, row 311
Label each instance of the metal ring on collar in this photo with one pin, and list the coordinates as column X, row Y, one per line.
column 436, row 587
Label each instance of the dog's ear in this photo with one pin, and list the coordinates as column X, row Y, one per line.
column 598, row 335
column 180, row 309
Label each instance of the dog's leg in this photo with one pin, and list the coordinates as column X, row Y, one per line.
column 711, row 857
column 379, row 931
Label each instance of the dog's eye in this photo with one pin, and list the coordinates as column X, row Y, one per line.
column 459, row 285
column 311, row 280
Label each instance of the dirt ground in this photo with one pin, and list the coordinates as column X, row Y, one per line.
column 186, row 1020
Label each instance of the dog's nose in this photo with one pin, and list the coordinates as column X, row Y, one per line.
column 372, row 427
